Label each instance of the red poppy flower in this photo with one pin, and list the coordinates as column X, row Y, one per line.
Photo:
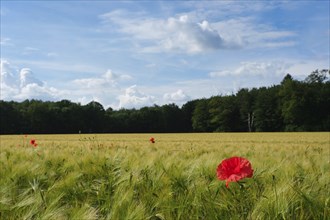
column 32, row 141
column 234, row 169
column 152, row 140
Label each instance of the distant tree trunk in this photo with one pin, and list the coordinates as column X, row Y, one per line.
column 250, row 121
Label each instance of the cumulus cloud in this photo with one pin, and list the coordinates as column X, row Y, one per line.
column 254, row 69
column 178, row 97
column 8, row 73
column 26, row 78
column 8, row 92
column 184, row 35
column 134, row 98
column 180, row 34
column 20, row 84
column 38, row 92
column 107, row 79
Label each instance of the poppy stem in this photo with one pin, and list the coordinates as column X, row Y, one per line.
column 275, row 192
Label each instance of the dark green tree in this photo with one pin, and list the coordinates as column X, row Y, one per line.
column 172, row 118
column 317, row 76
column 187, row 111
column 94, row 117
column 246, row 100
column 267, row 110
column 200, row 118
column 229, row 115
column 10, row 118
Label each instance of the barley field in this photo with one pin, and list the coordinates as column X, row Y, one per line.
column 125, row 176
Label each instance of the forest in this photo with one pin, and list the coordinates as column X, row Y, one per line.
column 292, row 105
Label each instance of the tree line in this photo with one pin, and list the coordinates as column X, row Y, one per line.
column 290, row 106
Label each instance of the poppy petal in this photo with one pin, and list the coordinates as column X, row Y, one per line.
column 234, row 169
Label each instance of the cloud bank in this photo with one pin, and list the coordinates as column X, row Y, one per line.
column 20, row 84
column 110, row 89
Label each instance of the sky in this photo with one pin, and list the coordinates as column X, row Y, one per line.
column 131, row 54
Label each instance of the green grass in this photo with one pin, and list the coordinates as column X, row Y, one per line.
column 123, row 176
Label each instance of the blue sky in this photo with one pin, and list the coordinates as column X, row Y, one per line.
column 129, row 54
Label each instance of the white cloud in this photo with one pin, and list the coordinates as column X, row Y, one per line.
column 104, row 88
column 27, row 78
column 107, row 79
column 35, row 91
column 21, row 84
column 7, row 92
column 267, row 73
column 134, row 98
column 301, row 69
column 8, row 73
column 250, row 33
column 273, row 69
column 184, row 34
column 178, row 97
column 179, row 34
column 254, row 69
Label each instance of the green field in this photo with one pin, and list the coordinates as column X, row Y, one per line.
column 124, row 176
